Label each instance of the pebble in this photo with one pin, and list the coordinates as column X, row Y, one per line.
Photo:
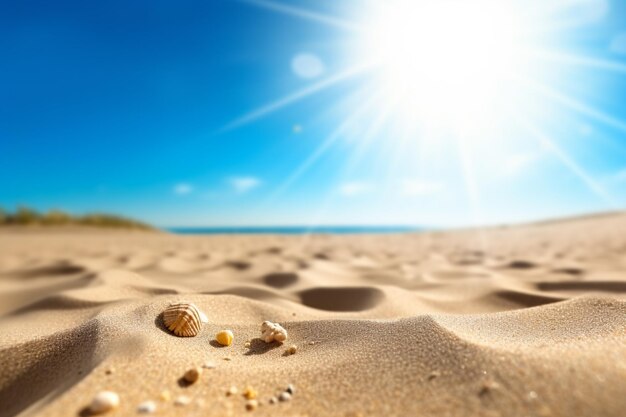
column 232, row 390
column 247, row 344
column 488, row 386
column 109, row 371
column 192, row 375
column 224, row 337
column 433, row 375
column 252, row 405
column 273, row 400
column 250, row 393
column 284, row 396
column 290, row 389
column 292, row 349
column 182, row 401
column 104, row 401
column 147, row 407
column 209, row 365
column 165, row 396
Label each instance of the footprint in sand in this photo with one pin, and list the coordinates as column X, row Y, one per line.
column 280, row 279
column 342, row 298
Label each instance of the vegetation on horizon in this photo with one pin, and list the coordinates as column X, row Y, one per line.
column 25, row 216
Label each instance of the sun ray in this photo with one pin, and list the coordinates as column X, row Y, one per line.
column 549, row 144
column 573, row 104
column 367, row 139
column 324, row 147
column 322, row 208
column 304, row 14
column 471, row 188
column 293, row 98
column 580, row 60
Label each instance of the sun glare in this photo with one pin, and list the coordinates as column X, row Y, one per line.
column 443, row 61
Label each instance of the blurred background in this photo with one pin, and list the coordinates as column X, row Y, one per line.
column 294, row 113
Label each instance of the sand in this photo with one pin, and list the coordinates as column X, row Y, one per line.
column 514, row 321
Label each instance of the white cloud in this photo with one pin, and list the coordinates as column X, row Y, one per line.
column 618, row 44
column 354, row 188
column 244, row 184
column 306, row 65
column 416, row 187
column 183, row 188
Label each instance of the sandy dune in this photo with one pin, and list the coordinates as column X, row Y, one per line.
column 520, row 321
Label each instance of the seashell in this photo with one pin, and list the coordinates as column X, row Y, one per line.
column 147, row 407
column 103, row 402
column 184, row 319
column 182, row 401
column 224, row 337
column 273, row 332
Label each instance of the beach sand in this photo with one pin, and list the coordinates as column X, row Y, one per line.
column 525, row 320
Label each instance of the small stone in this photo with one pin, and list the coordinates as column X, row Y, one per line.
column 433, row 375
column 192, row 375
column 109, row 371
column 311, row 343
column 165, row 396
column 250, row 393
column 227, row 358
column 247, row 344
column 224, row 337
column 488, row 386
column 290, row 389
column 252, row 405
column 208, row 365
column 182, row 401
column 232, row 391
column 284, row 396
column 146, row 407
column 273, row 400
column 103, row 402
column 292, row 349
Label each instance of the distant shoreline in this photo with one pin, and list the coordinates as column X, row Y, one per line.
column 293, row 230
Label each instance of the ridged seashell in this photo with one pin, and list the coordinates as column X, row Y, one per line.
column 184, row 319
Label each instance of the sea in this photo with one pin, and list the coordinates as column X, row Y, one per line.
column 293, row 230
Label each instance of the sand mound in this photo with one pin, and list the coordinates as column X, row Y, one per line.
column 520, row 321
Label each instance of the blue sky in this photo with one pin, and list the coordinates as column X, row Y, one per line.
column 196, row 113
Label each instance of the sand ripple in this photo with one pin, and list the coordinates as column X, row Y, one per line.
column 519, row 321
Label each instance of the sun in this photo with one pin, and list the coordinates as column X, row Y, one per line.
column 443, row 62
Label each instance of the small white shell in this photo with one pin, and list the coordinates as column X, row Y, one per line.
column 273, row 331
column 146, row 407
column 182, row 400
column 184, row 319
column 104, row 401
